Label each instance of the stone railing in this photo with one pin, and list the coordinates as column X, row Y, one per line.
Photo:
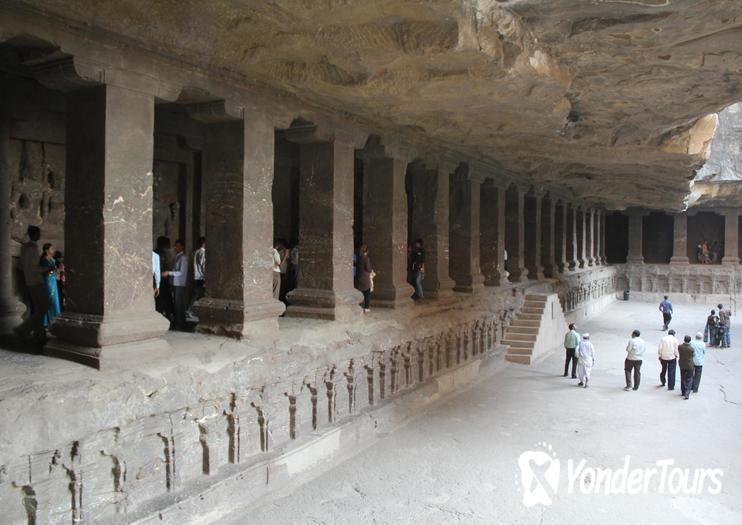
column 581, row 289
column 113, row 474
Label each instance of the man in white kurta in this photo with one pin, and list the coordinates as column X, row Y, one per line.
column 585, row 360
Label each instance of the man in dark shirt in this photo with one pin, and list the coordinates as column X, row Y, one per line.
column 685, row 350
column 418, row 268
column 724, row 331
column 666, row 309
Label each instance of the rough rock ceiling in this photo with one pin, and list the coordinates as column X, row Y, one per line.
column 600, row 96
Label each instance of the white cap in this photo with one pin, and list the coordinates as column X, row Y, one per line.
column 586, row 336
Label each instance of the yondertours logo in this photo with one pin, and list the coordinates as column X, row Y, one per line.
column 541, row 477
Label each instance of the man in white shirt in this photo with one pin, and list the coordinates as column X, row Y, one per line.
column 33, row 276
column 634, row 352
column 276, row 273
column 668, row 354
column 179, row 278
column 156, row 276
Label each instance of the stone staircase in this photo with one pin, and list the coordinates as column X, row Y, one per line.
column 520, row 337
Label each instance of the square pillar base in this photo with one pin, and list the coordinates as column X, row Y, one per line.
column 635, row 260
column 679, row 261
column 11, row 314
column 325, row 304
column 110, row 357
column 730, row 260
column 256, row 322
column 469, row 284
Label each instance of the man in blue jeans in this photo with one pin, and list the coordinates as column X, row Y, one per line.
column 699, row 352
column 418, row 268
column 725, row 320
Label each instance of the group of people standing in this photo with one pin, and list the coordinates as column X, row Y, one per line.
column 170, row 280
column 44, row 277
column 717, row 332
column 708, row 253
column 688, row 356
column 285, row 269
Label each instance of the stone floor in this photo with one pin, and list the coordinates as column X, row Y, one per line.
column 458, row 463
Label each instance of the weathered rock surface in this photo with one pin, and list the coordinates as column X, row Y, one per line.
column 599, row 96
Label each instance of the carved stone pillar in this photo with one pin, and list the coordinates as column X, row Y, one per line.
column 598, row 222
column 110, row 316
column 572, row 243
column 590, row 236
column 548, row 240
column 325, row 228
column 430, row 216
column 238, row 180
column 580, row 216
column 492, row 234
column 465, row 234
column 10, row 307
column 515, row 234
column 532, row 251
column 635, row 236
column 603, row 258
column 560, row 238
column 731, row 237
column 680, row 240
column 385, row 226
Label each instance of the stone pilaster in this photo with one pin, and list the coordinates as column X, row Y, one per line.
column 603, row 258
column 515, row 245
column 590, row 237
column 532, row 250
column 635, row 236
column 239, row 227
column 680, row 240
column 492, row 234
column 430, row 217
column 325, row 228
column 561, row 233
column 465, row 234
column 110, row 317
column 598, row 222
column 385, row 228
column 731, row 237
column 11, row 308
column 572, row 246
column 549, row 242
column 580, row 216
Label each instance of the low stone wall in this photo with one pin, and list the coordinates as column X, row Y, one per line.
column 587, row 292
column 87, row 446
column 691, row 283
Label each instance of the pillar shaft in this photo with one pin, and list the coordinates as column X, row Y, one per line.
column 10, row 308
column 581, row 238
column 532, row 250
column 598, row 236
column 515, row 240
column 731, row 238
column 603, row 257
column 590, row 237
column 326, row 234
column 465, row 235
column 548, row 240
column 560, row 232
column 680, row 239
column 385, row 229
column 492, row 234
column 431, row 223
column 239, row 230
column 110, row 314
column 572, row 246
column 635, row 237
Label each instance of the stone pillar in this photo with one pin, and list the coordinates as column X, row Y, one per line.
column 580, row 224
column 326, row 288
column 492, row 234
column 680, row 240
column 515, row 235
column 635, row 236
column 532, row 250
column 572, row 233
column 731, row 237
column 465, row 234
column 430, row 214
column 598, row 222
column 603, row 257
column 11, row 308
column 590, row 237
column 549, row 243
column 561, row 238
column 385, row 228
column 239, row 228
column 110, row 317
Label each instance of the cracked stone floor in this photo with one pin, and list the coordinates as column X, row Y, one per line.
column 458, row 462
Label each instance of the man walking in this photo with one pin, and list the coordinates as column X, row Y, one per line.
column 668, row 354
column 685, row 351
column 179, row 276
column 33, row 276
column 586, row 357
column 724, row 335
column 571, row 341
column 634, row 352
column 666, row 309
column 699, row 352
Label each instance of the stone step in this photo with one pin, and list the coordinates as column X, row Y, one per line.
column 539, row 298
column 520, row 359
column 531, row 338
column 531, row 310
column 530, row 317
column 521, row 323
column 525, row 330
column 520, row 351
column 531, row 304
column 514, row 343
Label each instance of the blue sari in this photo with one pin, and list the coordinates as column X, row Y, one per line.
column 51, row 288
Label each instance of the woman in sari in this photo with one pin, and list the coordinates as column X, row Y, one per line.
column 50, row 280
